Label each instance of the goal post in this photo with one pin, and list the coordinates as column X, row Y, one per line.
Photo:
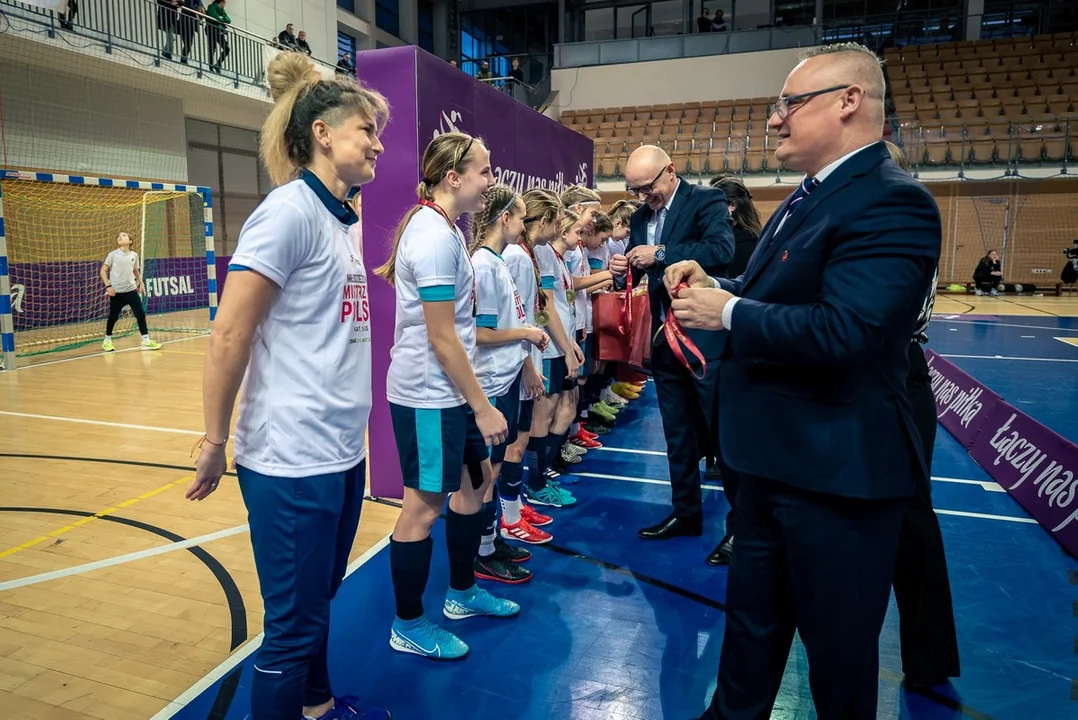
column 55, row 232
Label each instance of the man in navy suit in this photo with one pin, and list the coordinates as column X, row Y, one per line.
column 814, row 414
column 677, row 222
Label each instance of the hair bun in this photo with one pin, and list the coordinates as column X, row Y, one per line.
column 290, row 72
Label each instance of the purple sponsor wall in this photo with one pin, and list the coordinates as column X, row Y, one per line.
column 1038, row 467
column 427, row 97
column 61, row 293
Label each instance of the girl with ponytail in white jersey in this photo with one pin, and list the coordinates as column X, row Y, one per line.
column 503, row 365
column 586, row 280
column 561, row 366
column 442, row 419
column 541, row 224
column 294, row 318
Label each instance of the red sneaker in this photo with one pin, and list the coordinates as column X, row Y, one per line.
column 589, row 443
column 524, row 532
column 588, row 434
column 533, row 516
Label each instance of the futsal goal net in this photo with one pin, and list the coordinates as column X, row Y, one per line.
column 55, row 232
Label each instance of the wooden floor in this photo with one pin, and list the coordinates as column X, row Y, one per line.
column 104, row 612
column 111, row 435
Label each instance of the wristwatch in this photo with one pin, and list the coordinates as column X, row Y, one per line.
column 660, row 254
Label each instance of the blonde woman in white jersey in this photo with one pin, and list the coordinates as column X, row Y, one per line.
column 294, row 317
column 442, row 419
column 504, row 366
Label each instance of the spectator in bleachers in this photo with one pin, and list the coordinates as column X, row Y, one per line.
column 167, row 22
column 345, row 66
column 287, row 38
column 703, row 23
column 484, row 72
column 188, row 25
column 718, row 23
column 217, row 34
column 989, row 274
column 301, row 43
column 67, row 19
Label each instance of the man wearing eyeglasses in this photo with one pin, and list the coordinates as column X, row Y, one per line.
column 814, row 414
column 677, row 222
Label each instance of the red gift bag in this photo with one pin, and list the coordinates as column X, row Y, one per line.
column 617, row 319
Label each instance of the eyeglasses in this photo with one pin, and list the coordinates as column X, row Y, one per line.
column 786, row 103
column 645, row 189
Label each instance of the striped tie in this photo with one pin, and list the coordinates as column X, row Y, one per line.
column 807, row 186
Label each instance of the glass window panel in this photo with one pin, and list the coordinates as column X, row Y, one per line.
column 239, row 138
column 201, row 132
column 241, row 173
column 202, row 168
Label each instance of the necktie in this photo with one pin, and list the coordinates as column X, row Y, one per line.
column 803, row 190
column 658, row 239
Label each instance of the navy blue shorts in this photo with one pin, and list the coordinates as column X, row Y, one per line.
column 524, row 423
column 509, row 406
column 555, row 370
column 434, row 445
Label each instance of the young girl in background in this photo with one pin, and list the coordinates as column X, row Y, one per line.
column 542, row 222
column 442, row 420
column 502, row 364
column 123, row 284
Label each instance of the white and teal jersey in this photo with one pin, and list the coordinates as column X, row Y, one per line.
column 500, row 308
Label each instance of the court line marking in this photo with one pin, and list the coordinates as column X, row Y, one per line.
column 100, row 354
column 987, row 485
column 106, row 423
column 1068, row 340
column 1008, row 357
column 120, row 559
column 643, row 481
column 1002, row 324
column 249, row 647
column 706, row 486
column 107, row 511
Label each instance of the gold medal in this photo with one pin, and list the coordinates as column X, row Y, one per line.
column 570, row 295
column 542, row 318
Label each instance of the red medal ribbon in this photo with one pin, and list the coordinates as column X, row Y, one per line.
column 528, row 251
column 676, row 337
column 435, row 206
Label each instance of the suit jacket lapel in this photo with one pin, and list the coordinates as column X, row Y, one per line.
column 680, row 198
column 855, row 166
column 756, row 259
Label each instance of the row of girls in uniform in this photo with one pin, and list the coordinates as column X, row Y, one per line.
column 472, row 368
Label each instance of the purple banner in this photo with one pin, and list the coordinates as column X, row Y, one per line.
column 1038, row 467
column 527, row 149
column 427, row 97
column 962, row 403
column 63, row 293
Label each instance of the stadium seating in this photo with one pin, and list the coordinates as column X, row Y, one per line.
column 1002, row 101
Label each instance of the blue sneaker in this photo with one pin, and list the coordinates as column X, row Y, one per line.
column 422, row 637
column 476, row 602
column 347, row 707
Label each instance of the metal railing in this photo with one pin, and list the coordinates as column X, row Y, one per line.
column 1001, row 148
column 142, row 26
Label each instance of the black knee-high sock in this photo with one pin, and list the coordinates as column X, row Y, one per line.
column 409, row 564
column 490, row 527
column 462, row 534
column 509, row 481
column 536, row 456
column 554, row 448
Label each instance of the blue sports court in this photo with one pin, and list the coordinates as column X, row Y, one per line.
column 618, row 628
